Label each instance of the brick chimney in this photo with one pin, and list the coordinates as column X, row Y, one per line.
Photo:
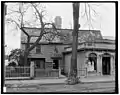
column 58, row 22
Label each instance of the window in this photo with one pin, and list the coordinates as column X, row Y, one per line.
column 38, row 49
column 92, row 62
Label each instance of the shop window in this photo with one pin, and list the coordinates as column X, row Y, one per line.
column 92, row 62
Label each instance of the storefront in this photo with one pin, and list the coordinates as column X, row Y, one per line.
column 97, row 60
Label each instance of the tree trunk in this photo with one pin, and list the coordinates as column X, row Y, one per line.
column 25, row 58
column 72, row 78
column 26, row 53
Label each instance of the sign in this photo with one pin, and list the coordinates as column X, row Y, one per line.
column 56, row 55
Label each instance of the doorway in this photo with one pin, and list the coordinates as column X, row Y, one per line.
column 92, row 62
column 106, row 65
column 39, row 63
column 55, row 64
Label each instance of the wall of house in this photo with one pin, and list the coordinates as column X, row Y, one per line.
column 67, row 62
column 80, row 61
column 46, row 51
column 104, row 45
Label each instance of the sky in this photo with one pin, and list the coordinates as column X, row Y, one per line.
column 104, row 21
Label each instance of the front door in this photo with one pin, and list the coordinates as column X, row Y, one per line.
column 106, row 65
column 39, row 67
column 40, row 63
column 55, row 64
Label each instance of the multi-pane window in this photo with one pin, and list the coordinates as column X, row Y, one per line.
column 38, row 49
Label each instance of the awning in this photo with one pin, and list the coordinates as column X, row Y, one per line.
column 56, row 56
column 36, row 56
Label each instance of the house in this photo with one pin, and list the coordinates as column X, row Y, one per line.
column 96, row 56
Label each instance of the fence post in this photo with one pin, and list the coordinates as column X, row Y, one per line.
column 59, row 72
column 59, row 69
column 32, row 69
column 86, row 72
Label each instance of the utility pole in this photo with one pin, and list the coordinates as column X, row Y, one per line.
column 72, row 78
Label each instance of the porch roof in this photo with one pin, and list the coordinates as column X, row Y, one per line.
column 36, row 56
column 92, row 49
column 56, row 56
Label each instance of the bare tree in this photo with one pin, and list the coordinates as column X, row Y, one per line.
column 20, row 23
column 73, row 78
column 88, row 12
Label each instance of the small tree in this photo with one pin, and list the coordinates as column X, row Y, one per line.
column 17, row 55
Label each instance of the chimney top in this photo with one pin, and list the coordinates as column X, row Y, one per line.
column 58, row 22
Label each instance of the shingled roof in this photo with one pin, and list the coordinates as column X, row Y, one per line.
column 65, row 35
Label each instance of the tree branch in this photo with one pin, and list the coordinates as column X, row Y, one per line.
column 24, row 31
column 28, row 42
column 39, row 15
column 86, row 11
column 90, row 23
column 9, row 19
column 53, row 25
column 42, row 29
column 36, row 42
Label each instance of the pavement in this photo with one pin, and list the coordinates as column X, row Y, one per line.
column 105, row 78
column 56, row 81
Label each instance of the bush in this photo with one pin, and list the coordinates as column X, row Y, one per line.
column 12, row 64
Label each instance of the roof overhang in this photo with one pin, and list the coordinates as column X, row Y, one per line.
column 90, row 49
column 56, row 56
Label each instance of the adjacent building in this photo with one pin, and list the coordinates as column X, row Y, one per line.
column 97, row 58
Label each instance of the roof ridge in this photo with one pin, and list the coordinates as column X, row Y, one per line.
column 62, row 29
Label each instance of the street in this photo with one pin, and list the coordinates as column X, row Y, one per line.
column 81, row 87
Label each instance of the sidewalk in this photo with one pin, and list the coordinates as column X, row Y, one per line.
column 57, row 81
column 90, row 79
column 37, row 81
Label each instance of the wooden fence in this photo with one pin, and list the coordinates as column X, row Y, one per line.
column 82, row 72
column 17, row 72
column 46, row 73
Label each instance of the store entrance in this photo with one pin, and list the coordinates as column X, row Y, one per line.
column 106, row 65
